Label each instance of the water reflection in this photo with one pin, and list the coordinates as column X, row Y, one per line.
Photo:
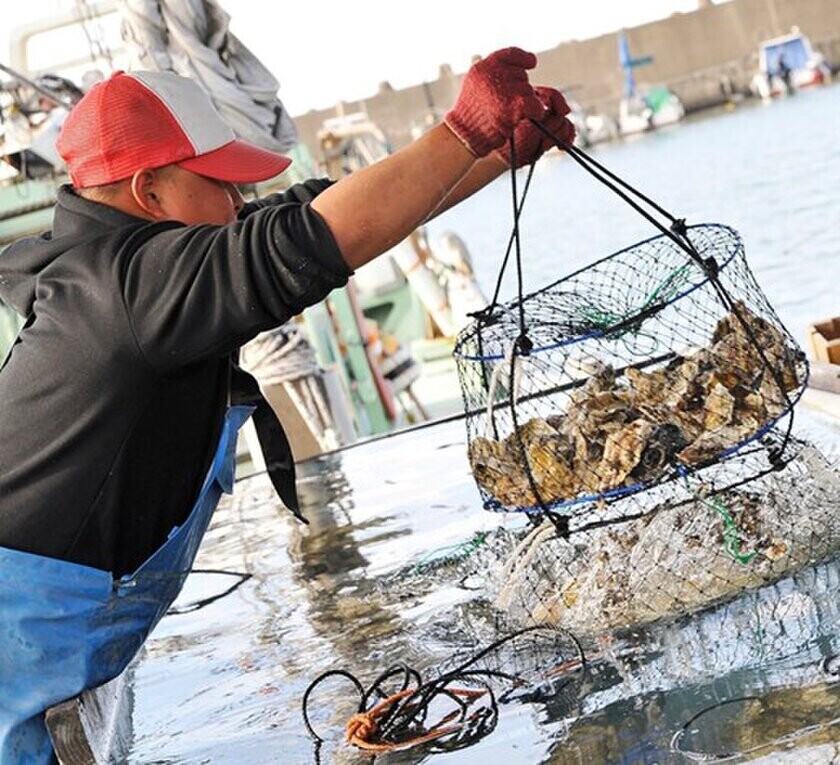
column 329, row 566
column 772, row 645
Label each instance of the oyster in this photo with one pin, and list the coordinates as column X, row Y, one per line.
column 622, row 453
column 551, row 459
column 719, row 407
column 660, row 450
column 676, row 559
column 499, row 466
column 713, row 443
column 489, row 462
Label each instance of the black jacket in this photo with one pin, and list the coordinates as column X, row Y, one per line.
column 113, row 396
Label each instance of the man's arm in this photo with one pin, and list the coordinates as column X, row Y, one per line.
column 375, row 208
column 378, row 206
column 224, row 284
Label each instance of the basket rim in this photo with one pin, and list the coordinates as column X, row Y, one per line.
column 470, row 330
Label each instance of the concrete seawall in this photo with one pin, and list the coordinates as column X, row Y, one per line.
column 694, row 55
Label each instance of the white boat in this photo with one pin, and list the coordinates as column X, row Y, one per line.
column 590, row 127
column 787, row 64
column 644, row 108
column 649, row 109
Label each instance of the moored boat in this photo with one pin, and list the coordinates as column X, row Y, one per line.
column 786, row 64
column 644, row 108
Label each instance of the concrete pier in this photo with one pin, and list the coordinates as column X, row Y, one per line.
column 697, row 55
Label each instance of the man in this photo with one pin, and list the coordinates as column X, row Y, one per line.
column 115, row 429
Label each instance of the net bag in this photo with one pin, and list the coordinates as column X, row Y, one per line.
column 678, row 556
column 635, row 371
column 657, row 361
column 640, row 412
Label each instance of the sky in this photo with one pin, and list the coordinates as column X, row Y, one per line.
column 325, row 51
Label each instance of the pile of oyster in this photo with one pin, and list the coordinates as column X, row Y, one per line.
column 620, row 430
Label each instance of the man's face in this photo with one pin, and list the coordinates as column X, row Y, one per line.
column 192, row 199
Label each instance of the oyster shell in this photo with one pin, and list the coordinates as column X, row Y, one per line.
column 551, row 462
column 674, row 560
column 622, row 453
column 719, row 407
column 489, row 462
column 711, row 444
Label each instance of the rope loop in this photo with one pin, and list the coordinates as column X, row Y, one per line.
column 465, row 706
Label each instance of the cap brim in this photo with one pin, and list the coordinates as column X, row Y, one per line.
column 238, row 162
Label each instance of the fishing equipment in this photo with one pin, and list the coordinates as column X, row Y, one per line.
column 676, row 557
column 458, row 707
column 625, row 408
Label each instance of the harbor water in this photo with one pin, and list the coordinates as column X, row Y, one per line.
column 222, row 678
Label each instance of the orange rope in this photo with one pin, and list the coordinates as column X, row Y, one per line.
column 361, row 727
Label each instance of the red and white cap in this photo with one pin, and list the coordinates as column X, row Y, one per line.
column 150, row 119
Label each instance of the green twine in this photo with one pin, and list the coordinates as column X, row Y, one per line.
column 454, row 553
column 665, row 291
column 731, row 534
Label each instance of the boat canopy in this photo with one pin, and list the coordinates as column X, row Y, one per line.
column 794, row 49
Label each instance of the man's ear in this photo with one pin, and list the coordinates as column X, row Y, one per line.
column 145, row 191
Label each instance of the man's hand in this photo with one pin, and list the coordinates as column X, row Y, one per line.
column 529, row 141
column 495, row 97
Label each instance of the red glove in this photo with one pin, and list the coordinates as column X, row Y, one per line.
column 530, row 142
column 495, row 96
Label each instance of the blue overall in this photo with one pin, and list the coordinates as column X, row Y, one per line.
column 66, row 627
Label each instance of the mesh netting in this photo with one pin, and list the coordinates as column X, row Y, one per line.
column 640, row 411
column 677, row 557
column 636, row 371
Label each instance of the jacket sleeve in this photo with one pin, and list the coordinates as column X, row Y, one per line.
column 197, row 292
column 300, row 192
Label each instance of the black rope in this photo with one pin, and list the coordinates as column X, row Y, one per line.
column 517, row 211
column 676, row 741
column 313, row 685
column 241, row 578
column 594, row 168
column 522, row 345
column 523, row 454
column 485, row 314
column 408, row 715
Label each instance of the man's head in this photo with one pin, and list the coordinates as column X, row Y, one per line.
column 152, row 143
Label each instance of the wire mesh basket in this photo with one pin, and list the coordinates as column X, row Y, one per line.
column 634, row 371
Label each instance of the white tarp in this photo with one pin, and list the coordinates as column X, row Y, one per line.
column 191, row 38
